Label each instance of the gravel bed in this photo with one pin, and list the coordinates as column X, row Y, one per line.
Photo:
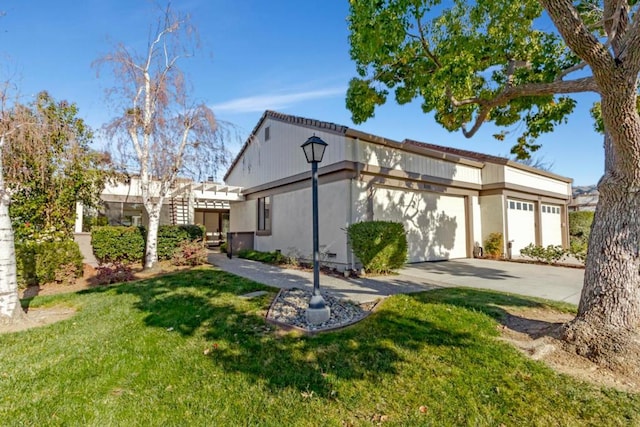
column 290, row 308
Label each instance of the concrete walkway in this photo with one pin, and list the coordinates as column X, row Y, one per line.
column 554, row 283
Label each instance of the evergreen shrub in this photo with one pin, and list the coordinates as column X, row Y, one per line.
column 381, row 246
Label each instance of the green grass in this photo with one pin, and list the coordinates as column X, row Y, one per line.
column 133, row 355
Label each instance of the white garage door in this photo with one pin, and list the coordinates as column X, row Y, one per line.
column 522, row 225
column 435, row 224
column 551, row 225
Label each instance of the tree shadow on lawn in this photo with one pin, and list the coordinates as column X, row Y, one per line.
column 209, row 302
column 493, row 304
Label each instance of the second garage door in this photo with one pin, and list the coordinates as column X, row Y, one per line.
column 435, row 224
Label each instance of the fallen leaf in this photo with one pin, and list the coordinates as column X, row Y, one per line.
column 423, row 409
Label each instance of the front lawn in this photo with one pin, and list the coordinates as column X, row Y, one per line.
column 187, row 349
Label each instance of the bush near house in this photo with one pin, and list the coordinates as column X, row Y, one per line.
column 117, row 244
column 48, row 261
column 170, row 237
column 493, row 245
column 268, row 257
column 579, row 231
column 381, row 246
column 549, row 255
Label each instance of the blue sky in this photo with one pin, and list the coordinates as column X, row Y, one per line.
column 285, row 55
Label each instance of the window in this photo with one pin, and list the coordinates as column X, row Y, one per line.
column 518, row 206
column 512, row 204
column 264, row 215
column 531, row 207
column 267, row 133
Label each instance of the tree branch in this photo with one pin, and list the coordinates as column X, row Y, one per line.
column 631, row 53
column 577, row 36
column 586, row 84
column 570, row 70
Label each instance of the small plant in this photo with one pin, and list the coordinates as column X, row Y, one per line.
column 190, row 253
column 550, row 255
column 493, row 245
column 223, row 247
column 113, row 273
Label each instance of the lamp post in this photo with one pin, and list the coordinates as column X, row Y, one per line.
column 318, row 312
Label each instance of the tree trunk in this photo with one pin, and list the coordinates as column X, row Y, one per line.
column 151, row 250
column 10, row 309
column 609, row 312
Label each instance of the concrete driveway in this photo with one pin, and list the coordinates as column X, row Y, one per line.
column 555, row 283
column 544, row 281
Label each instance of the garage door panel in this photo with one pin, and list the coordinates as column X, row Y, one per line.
column 434, row 223
column 522, row 225
column 551, row 225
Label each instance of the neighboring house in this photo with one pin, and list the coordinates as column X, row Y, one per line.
column 203, row 203
column 449, row 200
column 584, row 198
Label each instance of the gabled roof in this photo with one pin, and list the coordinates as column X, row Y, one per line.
column 455, row 154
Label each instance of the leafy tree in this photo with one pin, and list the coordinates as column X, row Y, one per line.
column 45, row 167
column 161, row 131
column 497, row 61
column 65, row 169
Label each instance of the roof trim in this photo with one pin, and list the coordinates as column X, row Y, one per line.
column 471, row 158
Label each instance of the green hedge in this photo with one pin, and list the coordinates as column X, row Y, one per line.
column 46, row 262
column 381, row 246
column 171, row 236
column 126, row 244
column 118, row 244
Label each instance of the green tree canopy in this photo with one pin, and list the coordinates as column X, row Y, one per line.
column 49, row 165
column 468, row 62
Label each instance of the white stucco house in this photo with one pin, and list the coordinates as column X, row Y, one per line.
column 447, row 199
column 190, row 202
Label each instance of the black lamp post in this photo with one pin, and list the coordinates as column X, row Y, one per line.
column 318, row 312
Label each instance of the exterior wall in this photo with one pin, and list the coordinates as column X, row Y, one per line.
column 281, row 156
column 493, row 216
column 435, row 223
column 243, row 216
column 291, row 223
column 410, row 162
column 539, row 182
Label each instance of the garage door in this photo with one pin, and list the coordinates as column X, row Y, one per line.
column 435, row 224
column 551, row 225
column 522, row 225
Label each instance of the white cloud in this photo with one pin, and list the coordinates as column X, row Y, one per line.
column 260, row 103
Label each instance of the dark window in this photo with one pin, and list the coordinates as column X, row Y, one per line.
column 531, row 207
column 264, row 214
column 512, row 205
column 267, row 133
column 519, row 206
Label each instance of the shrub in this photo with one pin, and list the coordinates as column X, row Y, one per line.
column 49, row 261
column 190, row 253
column 381, row 246
column 223, row 247
column 493, row 245
column 550, row 255
column 268, row 257
column 112, row 273
column 115, row 244
column 579, row 232
column 170, row 237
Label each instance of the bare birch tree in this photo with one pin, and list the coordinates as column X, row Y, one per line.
column 10, row 309
column 160, row 129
